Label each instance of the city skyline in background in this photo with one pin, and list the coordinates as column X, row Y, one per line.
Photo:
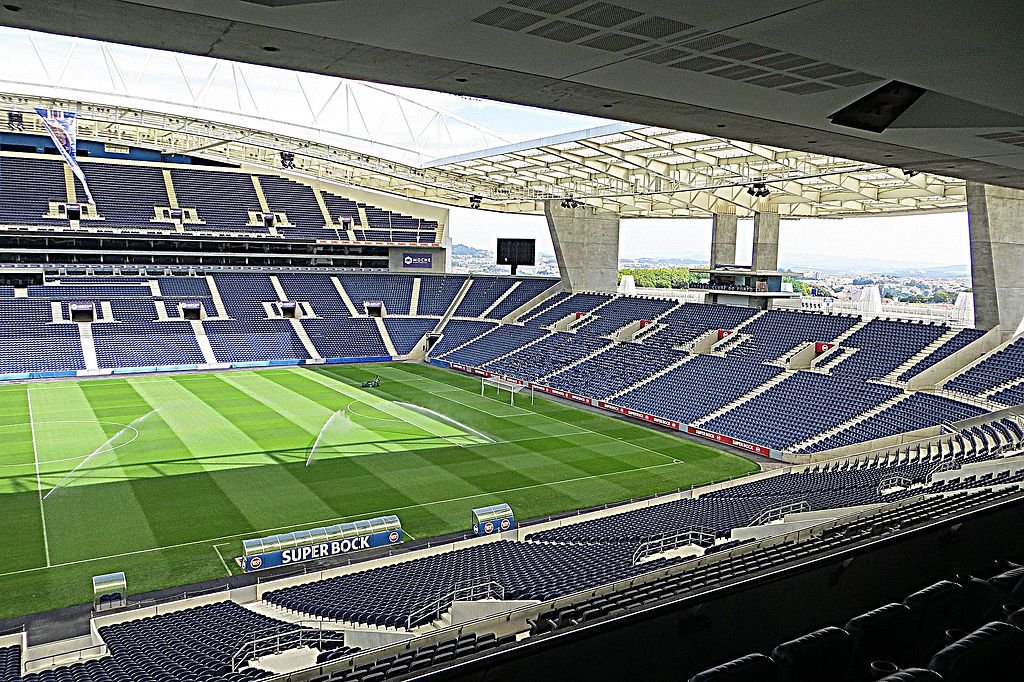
column 924, row 241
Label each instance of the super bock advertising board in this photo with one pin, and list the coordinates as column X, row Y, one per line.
column 323, row 550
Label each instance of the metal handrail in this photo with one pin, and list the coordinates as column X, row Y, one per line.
column 779, row 511
column 478, row 589
column 705, row 537
column 277, row 638
column 897, row 481
column 92, row 651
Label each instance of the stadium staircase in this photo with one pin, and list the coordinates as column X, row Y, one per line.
column 456, row 302
column 985, row 395
column 88, row 345
column 864, row 416
column 766, row 386
column 649, row 379
column 204, row 342
column 580, row 361
column 385, row 336
column 497, row 301
column 344, row 297
column 922, row 354
column 515, row 350
column 218, row 302
column 832, row 358
column 414, row 299
column 534, row 302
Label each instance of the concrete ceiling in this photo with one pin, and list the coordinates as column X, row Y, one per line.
column 770, row 72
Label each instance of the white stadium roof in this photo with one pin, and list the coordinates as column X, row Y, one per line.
column 389, row 139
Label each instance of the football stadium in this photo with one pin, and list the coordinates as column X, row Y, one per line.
column 255, row 423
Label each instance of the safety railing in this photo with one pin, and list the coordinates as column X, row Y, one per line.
column 480, row 588
column 274, row 640
column 703, row 537
column 63, row 658
column 893, row 483
column 779, row 512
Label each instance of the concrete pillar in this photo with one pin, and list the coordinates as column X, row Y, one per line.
column 586, row 242
column 996, row 219
column 723, row 239
column 766, row 241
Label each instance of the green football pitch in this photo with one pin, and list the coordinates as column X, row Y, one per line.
column 163, row 476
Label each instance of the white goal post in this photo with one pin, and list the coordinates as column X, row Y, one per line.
column 500, row 385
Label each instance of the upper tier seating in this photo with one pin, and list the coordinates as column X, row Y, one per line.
column 997, row 369
column 482, row 294
column 222, row 200
column 777, row 331
column 691, row 320
column 546, row 356
column 614, row 369
column 621, row 312
column 697, row 388
column 438, row 292
column 395, row 292
column 27, row 185
column 298, row 202
column 561, row 306
column 799, row 407
column 963, row 338
column 884, row 345
column 527, row 290
column 125, row 195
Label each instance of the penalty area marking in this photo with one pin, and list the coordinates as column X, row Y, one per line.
column 216, row 548
column 581, row 429
column 324, row 522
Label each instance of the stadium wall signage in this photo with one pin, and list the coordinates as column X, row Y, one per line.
column 418, row 260
column 323, row 550
column 728, row 440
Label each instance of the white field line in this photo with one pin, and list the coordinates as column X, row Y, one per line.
column 561, row 421
column 39, row 480
column 221, row 557
column 323, row 522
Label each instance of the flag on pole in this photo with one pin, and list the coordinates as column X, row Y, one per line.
column 63, row 129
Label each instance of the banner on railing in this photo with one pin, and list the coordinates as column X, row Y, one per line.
column 729, row 440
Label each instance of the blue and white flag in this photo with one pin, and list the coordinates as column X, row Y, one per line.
column 63, row 129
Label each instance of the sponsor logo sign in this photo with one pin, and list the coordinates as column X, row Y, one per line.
column 417, row 260
column 323, row 550
column 728, row 440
